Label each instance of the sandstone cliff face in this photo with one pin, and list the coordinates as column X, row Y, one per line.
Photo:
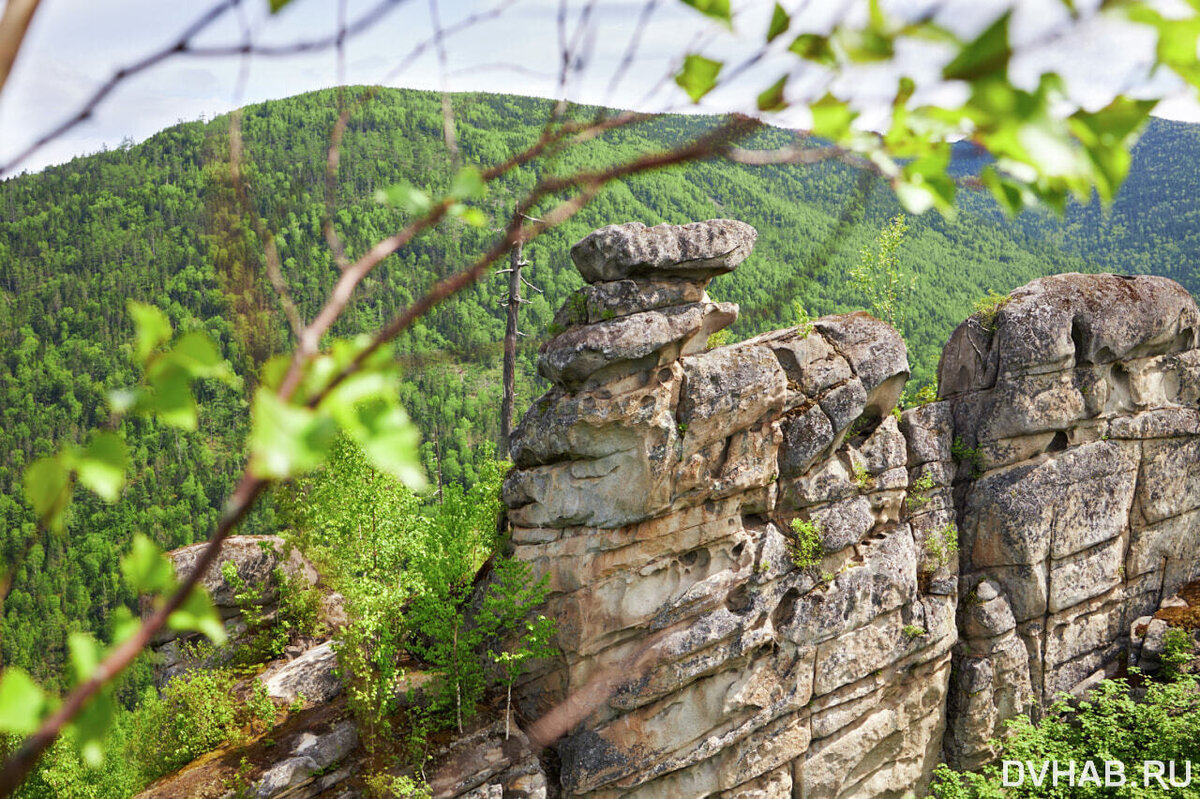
column 1076, row 409
column 657, row 484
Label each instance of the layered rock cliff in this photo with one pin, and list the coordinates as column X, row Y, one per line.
column 674, row 494
column 1076, row 412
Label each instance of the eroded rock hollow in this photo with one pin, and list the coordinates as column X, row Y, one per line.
column 976, row 554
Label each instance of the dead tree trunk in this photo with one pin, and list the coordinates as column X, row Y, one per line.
column 510, row 349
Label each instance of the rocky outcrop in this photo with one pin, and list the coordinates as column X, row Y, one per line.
column 256, row 560
column 659, row 486
column 311, row 676
column 308, row 756
column 763, row 574
column 1075, row 411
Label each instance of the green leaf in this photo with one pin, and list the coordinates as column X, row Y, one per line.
column 197, row 355
column 391, row 442
column 85, row 655
column 875, row 42
column 468, row 184
column 286, row 440
column 406, row 197
column 122, row 399
column 48, row 489
column 278, row 5
column 171, row 399
column 199, row 614
column 1106, row 136
column 101, row 467
column 367, row 407
column 986, row 57
column 91, row 725
column 812, row 47
column 123, row 625
column 779, row 23
column 274, row 370
column 698, row 76
column 1011, row 196
column 924, row 183
column 772, row 98
column 146, row 567
column 717, row 9
column 831, row 118
column 473, row 217
column 152, row 327
column 22, row 702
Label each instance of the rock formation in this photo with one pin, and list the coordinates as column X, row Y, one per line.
column 1075, row 409
column 667, row 489
column 657, row 483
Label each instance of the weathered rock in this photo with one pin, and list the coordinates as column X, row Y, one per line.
column 809, row 361
column 1076, row 533
column 706, row 653
column 1058, row 322
column 634, row 343
column 312, row 675
column 597, row 423
column 874, row 351
column 619, row 489
column 844, row 522
column 1063, row 505
column 727, row 390
column 844, row 404
column 601, row 302
column 490, row 760
column 696, row 250
column 807, row 432
column 255, row 557
column 309, row 754
column 928, row 432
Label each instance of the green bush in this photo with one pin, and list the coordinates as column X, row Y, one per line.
column 196, row 713
column 965, row 454
column 1115, row 723
column 805, row 549
column 297, row 612
column 1177, row 653
column 918, row 491
column 986, row 308
column 941, row 545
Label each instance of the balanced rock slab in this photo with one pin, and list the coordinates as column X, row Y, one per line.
column 698, row 250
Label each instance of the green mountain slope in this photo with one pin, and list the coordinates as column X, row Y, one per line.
column 159, row 222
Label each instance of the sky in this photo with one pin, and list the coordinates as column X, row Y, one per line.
column 75, row 46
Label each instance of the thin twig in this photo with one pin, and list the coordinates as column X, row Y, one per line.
column 14, row 24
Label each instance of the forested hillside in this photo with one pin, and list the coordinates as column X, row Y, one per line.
column 160, row 222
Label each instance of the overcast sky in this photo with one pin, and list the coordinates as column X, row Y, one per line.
column 74, row 46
